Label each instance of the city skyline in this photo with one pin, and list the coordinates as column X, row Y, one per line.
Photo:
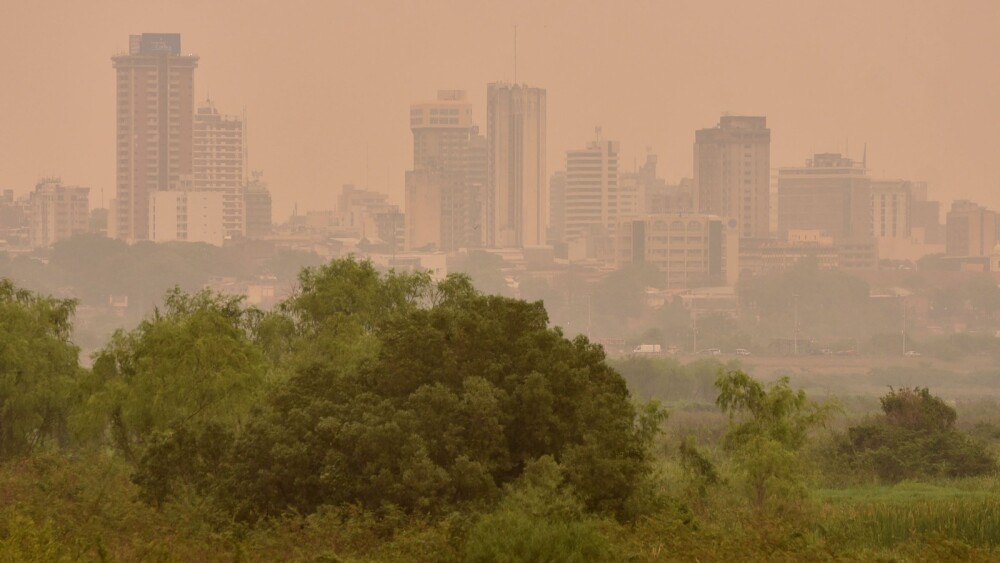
column 909, row 84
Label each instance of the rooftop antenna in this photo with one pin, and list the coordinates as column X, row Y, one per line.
column 864, row 158
column 515, row 54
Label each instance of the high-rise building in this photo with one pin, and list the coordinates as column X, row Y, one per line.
column 557, row 208
column 517, row 202
column 56, row 212
column 441, row 130
column 218, row 162
column 831, row 193
column 925, row 216
column 732, row 166
column 444, row 191
column 14, row 221
column 592, row 190
column 257, row 207
column 891, row 203
column 970, row 230
column 154, row 127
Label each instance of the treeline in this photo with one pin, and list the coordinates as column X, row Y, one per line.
column 386, row 416
column 91, row 269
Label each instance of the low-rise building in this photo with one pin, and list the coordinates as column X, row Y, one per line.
column 692, row 250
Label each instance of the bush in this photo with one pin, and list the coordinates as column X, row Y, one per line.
column 915, row 437
column 539, row 519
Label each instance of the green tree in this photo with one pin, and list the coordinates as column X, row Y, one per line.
column 421, row 396
column 767, row 430
column 192, row 362
column 915, row 437
column 39, row 369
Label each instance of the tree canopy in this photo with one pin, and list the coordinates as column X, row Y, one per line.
column 915, row 436
column 38, row 369
column 426, row 395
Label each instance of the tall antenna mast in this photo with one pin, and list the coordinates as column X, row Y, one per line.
column 515, row 54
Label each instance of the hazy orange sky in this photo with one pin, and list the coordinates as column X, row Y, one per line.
column 323, row 82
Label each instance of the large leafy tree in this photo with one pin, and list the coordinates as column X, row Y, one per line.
column 38, row 369
column 192, row 362
column 768, row 427
column 407, row 393
column 914, row 437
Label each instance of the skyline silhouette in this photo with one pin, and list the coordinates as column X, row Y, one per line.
column 327, row 88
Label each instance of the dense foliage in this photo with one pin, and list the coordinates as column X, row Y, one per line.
column 406, row 394
column 38, row 369
column 390, row 417
column 915, row 437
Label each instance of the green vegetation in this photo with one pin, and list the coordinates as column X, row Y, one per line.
column 389, row 417
column 915, row 437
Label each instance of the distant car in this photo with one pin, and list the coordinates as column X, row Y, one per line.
column 711, row 351
column 911, row 353
column 647, row 349
column 742, row 352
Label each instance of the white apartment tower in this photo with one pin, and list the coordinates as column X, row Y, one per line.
column 218, row 163
column 591, row 191
column 516, row 200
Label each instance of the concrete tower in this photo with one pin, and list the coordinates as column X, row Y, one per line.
column 154, row 127
column 732, row 166
column 517, row 202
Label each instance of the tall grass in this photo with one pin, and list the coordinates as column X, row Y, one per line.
column 971, row 520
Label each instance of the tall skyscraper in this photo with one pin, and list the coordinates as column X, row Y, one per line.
column 154, row 127
column 592, row 190
column 218, row 163
column 444, row 191
column 517, row 203
column 732, row 164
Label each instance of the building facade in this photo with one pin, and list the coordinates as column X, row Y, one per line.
column 445, row 188
column 517, row 199
column 591, row 192
column 257, row 207
column 691, row 250
column 732, row 166
column 831, row 193
column 187, row 215
column 970, row 230
column 154, row 127
column 217, row 162
column 57, row 212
